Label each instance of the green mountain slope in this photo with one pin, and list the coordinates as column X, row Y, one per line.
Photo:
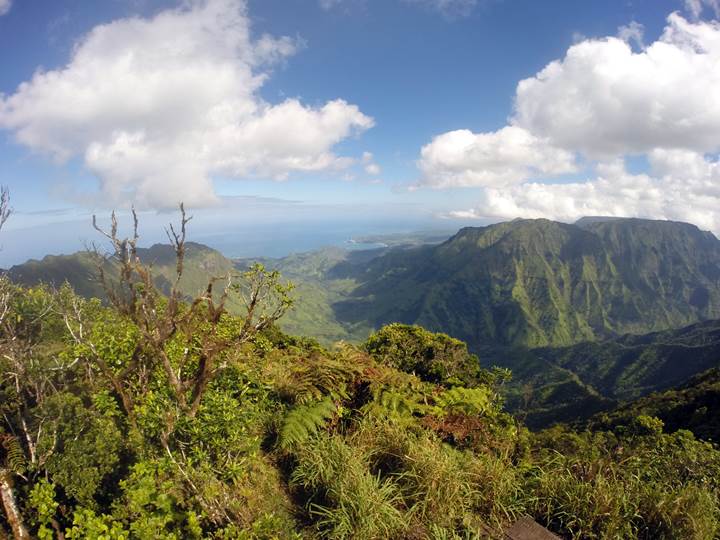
column 538, row 283
column 546, row 299
column 694, row 405
column 79, row 269
column 315, row 294
column 322, row 279
column 630, row 366
column 570, row 383
column 326, row 277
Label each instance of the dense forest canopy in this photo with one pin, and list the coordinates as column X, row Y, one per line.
column 155, row 415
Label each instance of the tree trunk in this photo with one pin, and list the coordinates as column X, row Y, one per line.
column 12, row 512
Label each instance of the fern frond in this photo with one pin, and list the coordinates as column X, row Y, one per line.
column 396, row 378
column 321, row 376
column 14, row 454
column 389, row 402
column 473, row 401
column 305, row 420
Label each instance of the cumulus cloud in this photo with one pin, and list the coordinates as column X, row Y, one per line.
column 508, row 156
column 604, row 99
column 156, row 107
column 5, row 6
column 681, row 186
column 601, row 103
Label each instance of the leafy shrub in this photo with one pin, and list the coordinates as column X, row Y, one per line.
column 433, row 357
column 88, row 446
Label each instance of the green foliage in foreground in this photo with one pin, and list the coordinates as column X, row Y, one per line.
column 401, row 438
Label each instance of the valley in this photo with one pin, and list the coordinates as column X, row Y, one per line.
column 585, row 315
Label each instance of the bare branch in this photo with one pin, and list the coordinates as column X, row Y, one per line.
column 198, row 326
column 177, row 241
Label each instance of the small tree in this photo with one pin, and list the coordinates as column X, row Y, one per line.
column 433, row 357
column 199, row 327
column 9, row 343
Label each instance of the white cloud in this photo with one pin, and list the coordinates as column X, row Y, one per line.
column 157, row 107
column 605, row 100
column 509, row 156
column 373, row 169
column 696, row 7
column 682, row 186
column 5, row 6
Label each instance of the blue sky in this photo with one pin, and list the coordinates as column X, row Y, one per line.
column 390, row 114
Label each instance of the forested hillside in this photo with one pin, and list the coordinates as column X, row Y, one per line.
column 322, row 278
column 290, row 440
column 571, row 383
column 80, row 269
column 543, row 298
column 537, row 283
column 694, row 406
column 156, row 415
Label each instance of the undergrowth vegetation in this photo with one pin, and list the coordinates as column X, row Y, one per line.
column 157, row 417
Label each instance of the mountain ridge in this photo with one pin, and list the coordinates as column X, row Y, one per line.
column 528, row 283
column 586, row 316
column 542, row 283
